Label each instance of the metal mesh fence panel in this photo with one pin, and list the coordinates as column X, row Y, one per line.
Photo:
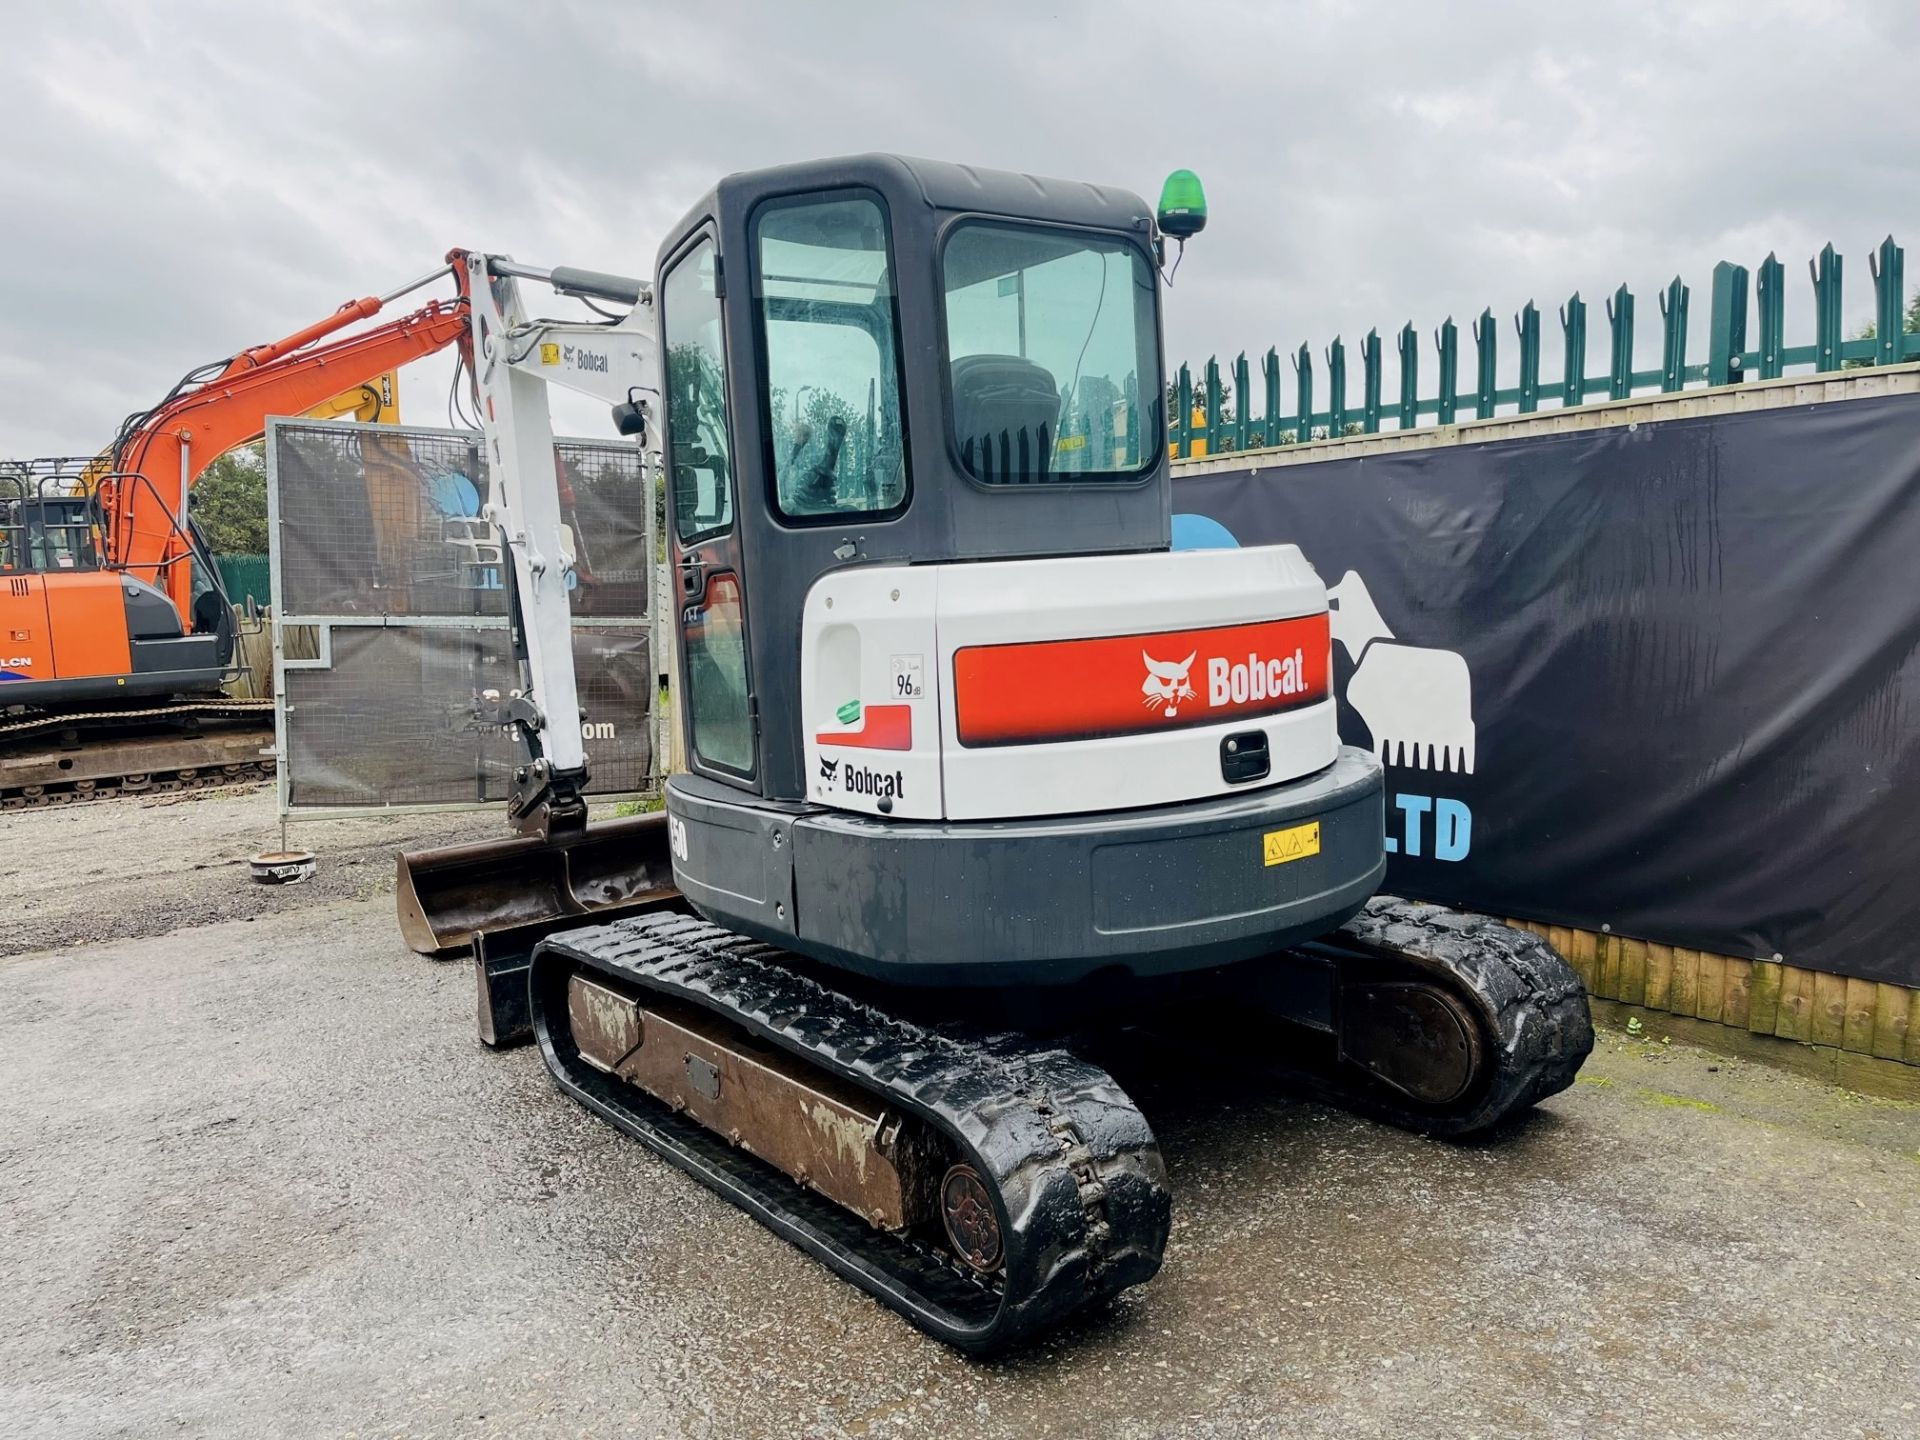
column 605, row 495
column 393, row 720
column 380, row 545
column 376, row 521
column 387, row 522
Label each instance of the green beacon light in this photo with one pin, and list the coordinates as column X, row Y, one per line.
column 1183, row 206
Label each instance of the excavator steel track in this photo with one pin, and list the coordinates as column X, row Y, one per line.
column 39, row 722
column 159, row 782
column 1074, row 1173
column 1529, row 1007
column 105, row 765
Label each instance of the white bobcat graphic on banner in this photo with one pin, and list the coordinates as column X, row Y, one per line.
column 1417, row 702
column 1167, row 683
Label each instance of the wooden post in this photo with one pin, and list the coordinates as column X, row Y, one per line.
column 1858, row 1033
column 1659, row 977
column 1710, row 991
column 1609, row 986
column 1739, row 979
column 1890, row 1022
column 1633, row 971
column 1584, row 956
column 1796, row 1004
column 1686, row 977
column 1763, row 999
column 1829, row 1009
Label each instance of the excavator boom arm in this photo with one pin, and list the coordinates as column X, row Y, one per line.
column 168, row 452
column 515, row 358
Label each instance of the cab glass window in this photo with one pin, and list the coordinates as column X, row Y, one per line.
column 830, row 329
column 46, row 535
column 1053, row 359
column 720, row 718
column 696, row 396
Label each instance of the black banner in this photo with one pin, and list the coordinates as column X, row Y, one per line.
column 1658, row 677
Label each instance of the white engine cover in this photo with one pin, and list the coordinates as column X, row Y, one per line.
column 1025, row 688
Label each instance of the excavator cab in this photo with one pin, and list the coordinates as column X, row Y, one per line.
column 44, row 526
column 921, row 514
column 82, row 627
column 880, row 361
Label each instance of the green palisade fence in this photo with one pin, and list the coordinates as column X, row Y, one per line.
column 244, row 575
column 1728, row 360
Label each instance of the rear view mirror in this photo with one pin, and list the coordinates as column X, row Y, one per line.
column 630, row 417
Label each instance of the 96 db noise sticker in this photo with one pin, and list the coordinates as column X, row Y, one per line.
column 909, row 677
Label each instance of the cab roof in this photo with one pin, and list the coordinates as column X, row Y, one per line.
column 939, row 184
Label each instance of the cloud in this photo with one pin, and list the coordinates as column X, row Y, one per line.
column 184, row 180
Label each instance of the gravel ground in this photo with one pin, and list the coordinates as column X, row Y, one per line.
column 257, row 1178
column 125, row 867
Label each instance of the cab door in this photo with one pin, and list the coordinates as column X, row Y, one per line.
column 26, row 647
column 718, row 719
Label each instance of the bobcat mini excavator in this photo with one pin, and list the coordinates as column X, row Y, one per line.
column 957, row 723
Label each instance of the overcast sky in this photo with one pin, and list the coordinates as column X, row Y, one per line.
column 180, row 180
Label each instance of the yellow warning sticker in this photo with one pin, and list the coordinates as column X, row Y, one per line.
column 1280, row 846
column 549, row 354
column 1071, row 442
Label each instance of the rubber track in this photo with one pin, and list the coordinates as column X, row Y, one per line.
column 1076, row 1173
column 1533, row 1005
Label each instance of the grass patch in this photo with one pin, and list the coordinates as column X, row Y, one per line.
column 1680, row 1102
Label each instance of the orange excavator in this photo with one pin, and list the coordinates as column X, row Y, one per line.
column 112, row 613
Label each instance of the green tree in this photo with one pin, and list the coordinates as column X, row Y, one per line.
column 1871, row 330
column 230, row 502
column 797, row 443
column 1200, row 397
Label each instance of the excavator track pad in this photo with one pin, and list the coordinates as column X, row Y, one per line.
column 1445, row 1023
column 985, row 1186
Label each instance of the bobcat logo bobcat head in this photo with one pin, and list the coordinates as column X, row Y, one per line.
column 828, row 769
column 1166, row 684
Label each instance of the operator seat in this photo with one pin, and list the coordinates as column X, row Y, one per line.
column 1006, row 416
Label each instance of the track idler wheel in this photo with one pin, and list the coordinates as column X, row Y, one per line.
column 1448, row 1023
column 1417, row 1038
column 971, row 1222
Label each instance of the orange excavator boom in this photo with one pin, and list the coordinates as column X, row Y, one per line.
column 162, row 453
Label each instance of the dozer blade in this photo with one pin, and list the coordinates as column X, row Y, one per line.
column 502, row 897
